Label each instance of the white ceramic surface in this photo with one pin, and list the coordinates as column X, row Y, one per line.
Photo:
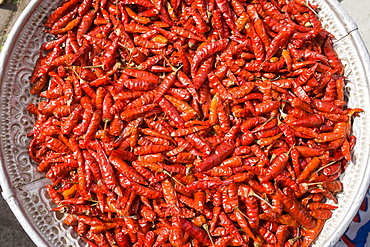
column 23, row 187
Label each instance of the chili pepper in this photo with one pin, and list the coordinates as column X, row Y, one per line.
column 164, row 86
column 299, row 213
column 215, row 83
column 312, row 120
column 139, row 189
column 332, row 56
column 152, row 149
column 206, row 52
column 173, row 114
column 309, row 169
column 277, row 165
column 279, row 41
column 265, row 107
column 107, row 171
column 226, row 222
column 194, row 231
column 170, row 196
column 134, row 113
column 202, row 73
column 267, row 235
column 184, row 58
column 200, row 23
column 185, row 33
column 322, row 214
column 224, row 7
column 59, row 12
column 311, row 234
column 143, row 75
column 150, row 62
column 140, row 41
column 217, row 156
column 183, row 132
column 327, row 107
column 144, row 3
column 205, row 184
column 257, row 44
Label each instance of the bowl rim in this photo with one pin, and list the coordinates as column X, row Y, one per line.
column 10, row 196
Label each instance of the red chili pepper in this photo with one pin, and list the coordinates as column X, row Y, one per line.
column 142, row 75
column 327, row 107
column 279, row 41
column 185, row 33
column 311, row 234
column 206, row 52
column 216, row 157
column 202, row 73
column 298, row 212
column 249, row 114
column 195, row 231
column 173, row 114
column 224, row 7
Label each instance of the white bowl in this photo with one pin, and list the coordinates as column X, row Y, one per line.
column 23, row 187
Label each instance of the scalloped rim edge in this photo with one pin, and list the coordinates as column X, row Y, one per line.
column 8, row 192
column 12, row 200
column 363, row 54
column 365, row 61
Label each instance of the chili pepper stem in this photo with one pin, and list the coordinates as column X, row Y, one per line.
column 282, row 115
column 93, row 66
column 188, row 171
column 134, row 217
column 252, row 193
column 308, row 6
column 128, row 52
column 62, row 210
column 74, row 71
column 273, row 156
column 174, row 179
column 309, row 184
column 349, row 72
column 205, row 226
column 238, row 209
column 105, row 127
column 293, row 240
column 262, row 125
column 323, row 167
column 290, row 149
column 172, row 67
column 313, row 188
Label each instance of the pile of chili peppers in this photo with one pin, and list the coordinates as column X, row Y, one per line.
column 191, row 122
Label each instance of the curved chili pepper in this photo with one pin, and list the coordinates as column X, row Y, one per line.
column 171, row 111
column 216, row 157
column 139, row 189
column 298, row 211
column 185, row 33
column 206, row 52
column 142, row 75
column 277, row 165
column 224, row 7
column 279, row 41
column 195, row 231
column 59, row 12
column 311, row 234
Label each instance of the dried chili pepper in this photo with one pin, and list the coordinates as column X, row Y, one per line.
column 191, row 123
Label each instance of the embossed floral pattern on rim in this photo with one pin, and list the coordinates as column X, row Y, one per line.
column 23, row 186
